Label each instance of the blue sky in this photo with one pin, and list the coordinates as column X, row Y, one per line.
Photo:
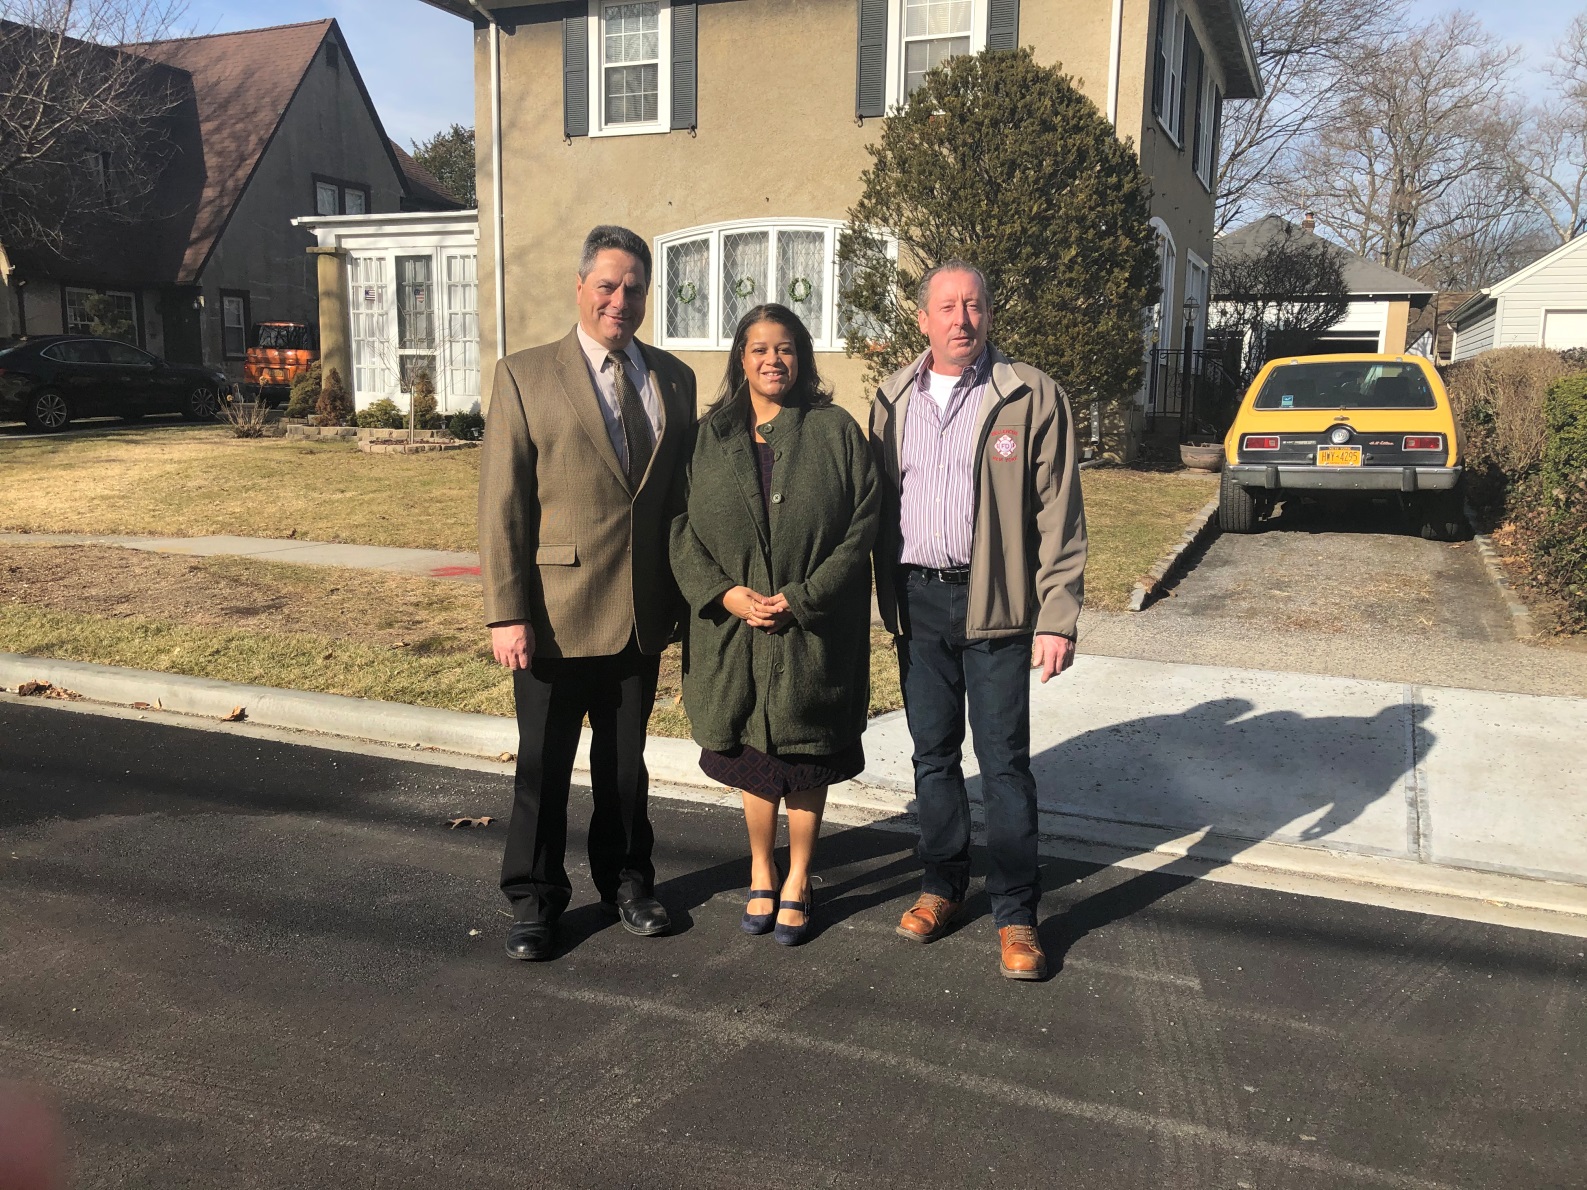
column 418, row 60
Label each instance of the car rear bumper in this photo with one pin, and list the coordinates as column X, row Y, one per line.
column 1305, row 477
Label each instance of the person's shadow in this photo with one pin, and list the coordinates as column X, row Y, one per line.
column 1215, row 768
column 1278, row 776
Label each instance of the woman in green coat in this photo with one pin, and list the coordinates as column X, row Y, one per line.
column 773, row 556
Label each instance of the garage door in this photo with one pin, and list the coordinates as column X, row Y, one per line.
column 1563, row 329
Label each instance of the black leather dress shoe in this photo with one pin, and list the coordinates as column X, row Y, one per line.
column 532, row 941
column 644, row 916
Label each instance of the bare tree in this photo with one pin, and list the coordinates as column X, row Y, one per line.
column 1286, row 290
column 82, row 120
column 1424, row 130
column 1552, row 153
column 1307, row 50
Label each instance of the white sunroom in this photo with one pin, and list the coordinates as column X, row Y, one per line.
column 411, row 283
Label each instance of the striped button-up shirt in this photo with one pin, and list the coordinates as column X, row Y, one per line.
column 937, row 462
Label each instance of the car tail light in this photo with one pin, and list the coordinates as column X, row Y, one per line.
column 1424, row 442
column 1260, row 442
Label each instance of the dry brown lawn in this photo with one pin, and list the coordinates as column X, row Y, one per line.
column 358, row 633
column 181, row 481
column 1133, row 518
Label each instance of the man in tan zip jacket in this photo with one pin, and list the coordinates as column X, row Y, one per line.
column 980, row 569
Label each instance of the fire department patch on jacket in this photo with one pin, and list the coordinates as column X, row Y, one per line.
column 1005, row 446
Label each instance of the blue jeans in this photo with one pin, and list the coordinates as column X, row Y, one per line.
column 941, row 670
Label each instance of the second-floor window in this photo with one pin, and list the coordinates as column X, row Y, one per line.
column 332, row 197
column 1168, row 83
column 934, row 31
column 630, row 47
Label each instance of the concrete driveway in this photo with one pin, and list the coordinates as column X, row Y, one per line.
column 1345, row 590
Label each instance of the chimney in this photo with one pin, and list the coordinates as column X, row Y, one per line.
column 1309, row 223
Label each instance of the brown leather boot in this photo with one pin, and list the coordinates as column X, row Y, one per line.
column 928, row 918
column 1023, row 957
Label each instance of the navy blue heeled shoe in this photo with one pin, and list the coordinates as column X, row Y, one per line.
column 794, row 935
column 759, row 923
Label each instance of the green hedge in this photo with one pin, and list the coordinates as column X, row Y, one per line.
column 1559, row 499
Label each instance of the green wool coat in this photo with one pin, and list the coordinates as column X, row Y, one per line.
column 805, row 689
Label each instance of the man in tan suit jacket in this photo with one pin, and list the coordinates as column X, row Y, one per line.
column 581, row 474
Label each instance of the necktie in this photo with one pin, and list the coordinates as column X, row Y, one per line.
column 636, row 425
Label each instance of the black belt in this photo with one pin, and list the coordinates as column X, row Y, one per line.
column 958, row 576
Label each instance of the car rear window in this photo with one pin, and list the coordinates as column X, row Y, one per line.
column 1354, row 384
column 284, row 338
column 83, row 351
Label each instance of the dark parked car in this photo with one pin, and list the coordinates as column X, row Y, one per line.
column 52, row 379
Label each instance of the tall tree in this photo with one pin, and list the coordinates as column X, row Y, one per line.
column 449, row 155
column 83, row 129
column 1003, row 162
column 1552, row 153
column 1423, row 132
column 1308, row 51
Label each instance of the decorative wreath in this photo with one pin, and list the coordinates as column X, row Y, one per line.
column 687, row 292
column 801, row 289
column 744, row 286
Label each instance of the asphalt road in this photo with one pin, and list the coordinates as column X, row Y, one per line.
column 249, row 964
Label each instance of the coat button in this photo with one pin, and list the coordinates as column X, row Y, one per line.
column 777, row 498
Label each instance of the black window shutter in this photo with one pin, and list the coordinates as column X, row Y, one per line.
column 1160, row 61
column 1191, row 47
column 1002, row 25
column 1198, row 128
column 871, row 90
column 575, row 76
column 685, row 65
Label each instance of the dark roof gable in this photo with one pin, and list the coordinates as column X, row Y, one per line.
column 1362, row 276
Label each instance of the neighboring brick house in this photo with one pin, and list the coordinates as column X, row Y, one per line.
column 733, row 136
column 274, row 124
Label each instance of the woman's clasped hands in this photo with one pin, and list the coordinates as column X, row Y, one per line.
column 769, row 613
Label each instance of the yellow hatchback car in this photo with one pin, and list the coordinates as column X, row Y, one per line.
column 1367, row 424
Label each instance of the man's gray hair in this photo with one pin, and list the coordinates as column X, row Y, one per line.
column 608, row 237
column 923, row 291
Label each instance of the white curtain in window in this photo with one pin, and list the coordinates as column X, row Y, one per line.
column 462, row 330
column 371, row 310
column 631, row 62
column 745, row 259
column 688, row 297
column 802, row 275
column 934, row 31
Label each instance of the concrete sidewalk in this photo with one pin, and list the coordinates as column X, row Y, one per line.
column 1457, row 793
column 423, row 563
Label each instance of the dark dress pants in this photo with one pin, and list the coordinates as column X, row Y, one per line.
column 553, row 696
column 941, row 670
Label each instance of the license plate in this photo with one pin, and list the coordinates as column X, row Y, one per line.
column 1339, row 456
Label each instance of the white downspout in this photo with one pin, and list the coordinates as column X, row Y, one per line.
column 1115, row 55
column 498, row 236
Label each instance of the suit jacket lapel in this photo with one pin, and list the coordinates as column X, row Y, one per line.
column 573, row 371
column 739, row 446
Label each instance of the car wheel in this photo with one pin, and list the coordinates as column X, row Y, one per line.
column 1236, row 506
column 1442, row 515
column 48, row 412
column 202, row 405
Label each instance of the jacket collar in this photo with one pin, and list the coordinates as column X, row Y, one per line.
column 1003, row 377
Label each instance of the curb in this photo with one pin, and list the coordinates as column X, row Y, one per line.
column 1202, row 527
column 673, row 764
column 1520, row 615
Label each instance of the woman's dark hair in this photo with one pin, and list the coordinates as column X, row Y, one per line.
column 808, row 391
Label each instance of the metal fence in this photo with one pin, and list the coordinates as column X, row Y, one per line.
column 1190, row 393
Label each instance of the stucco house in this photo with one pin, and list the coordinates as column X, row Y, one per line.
column 1542, row 305
column 273, row 124
column 732, row 135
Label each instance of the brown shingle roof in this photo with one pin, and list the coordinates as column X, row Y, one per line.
column 242, row 84
column 425, row 191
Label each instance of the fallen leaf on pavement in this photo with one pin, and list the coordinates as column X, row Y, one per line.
column 453, row 823
column 506, row 756
column 29, row 689
column 141, row 706
column 238, row 714
column 46, row 690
